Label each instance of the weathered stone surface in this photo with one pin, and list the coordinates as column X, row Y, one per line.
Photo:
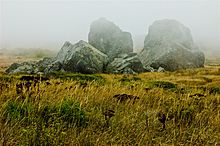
column 42, row 65
column 13, row 67
column 161, row 69
column 30, row 67
column 127, row 63
column 149, row 69
column 81, row 57
column 169, row 45
column 53, row 67
column 109, row 38
column 25, row 67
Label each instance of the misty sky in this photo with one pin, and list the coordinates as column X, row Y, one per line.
column 49, row 23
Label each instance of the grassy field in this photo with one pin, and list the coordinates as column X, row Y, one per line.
column 170, row 108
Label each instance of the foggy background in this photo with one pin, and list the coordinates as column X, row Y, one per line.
column 49, row 23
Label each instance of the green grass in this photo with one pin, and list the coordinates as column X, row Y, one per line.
column 66, row 112
column 214, row 90
column 163, row 84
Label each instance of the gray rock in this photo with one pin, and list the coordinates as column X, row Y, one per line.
column 109, row 38
column 13, row 67
column 45, row 61
column 169, row 45
column 161, row 69
column 81, row 57
column 149, row 69
column 127, row 70
column 53, row 67
column 128, row 64
column 30, row 67
column 44, row 64
column 25, row 67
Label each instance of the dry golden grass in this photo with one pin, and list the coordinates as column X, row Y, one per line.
column 190, row 120
column 70, row 112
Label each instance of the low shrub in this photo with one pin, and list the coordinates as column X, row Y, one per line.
column 163, row 84
column 214, row 90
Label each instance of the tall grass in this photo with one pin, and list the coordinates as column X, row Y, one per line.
column 69, row 112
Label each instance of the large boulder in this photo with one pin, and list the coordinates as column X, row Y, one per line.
column 169, row 45
column 80, row 57
column 127, row 64
column 109, row 38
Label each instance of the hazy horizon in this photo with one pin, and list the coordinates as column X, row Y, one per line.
column 49, row 23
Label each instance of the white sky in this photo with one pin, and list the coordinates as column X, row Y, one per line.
column 49, row 23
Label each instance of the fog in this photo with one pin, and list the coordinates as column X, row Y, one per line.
column 49, row 23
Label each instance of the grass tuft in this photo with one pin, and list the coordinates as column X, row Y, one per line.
column 163, row 84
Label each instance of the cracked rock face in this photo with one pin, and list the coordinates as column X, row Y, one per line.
column 127, row 64
column 109, row 38
column 169, row 45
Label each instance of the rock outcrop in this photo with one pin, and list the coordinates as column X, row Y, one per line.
column 31, row 67
column 169, row 45
column 25, row 67
column 109, row 38
column 127, row 64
